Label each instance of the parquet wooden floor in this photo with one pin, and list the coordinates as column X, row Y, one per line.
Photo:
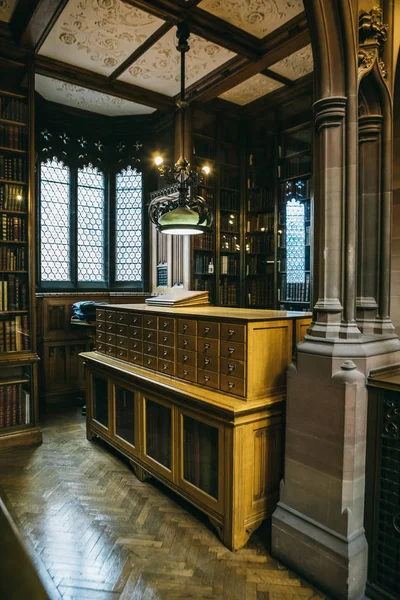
column 103, row 535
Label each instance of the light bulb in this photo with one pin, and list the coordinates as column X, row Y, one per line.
column 158, row 160
column 19, row 197
column 206, row 169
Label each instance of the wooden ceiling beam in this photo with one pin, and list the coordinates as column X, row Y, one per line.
column 99, row 83
column 281, row 44
column 33, row 20
column 277, row 77
column 141, row 50
column 205, row 25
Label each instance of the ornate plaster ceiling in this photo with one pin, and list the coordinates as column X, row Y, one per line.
column 98, row 35
column 258, row 17
column 7, row 9
column 251, row 89
column 158, row 69
column 80, row 97
column 296, row 65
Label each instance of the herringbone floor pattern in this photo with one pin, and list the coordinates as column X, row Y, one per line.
column 103, row 535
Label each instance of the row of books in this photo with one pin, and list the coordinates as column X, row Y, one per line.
column 12, row 168
column 260, row 222
column 13, row 136
column 203, row 264
column 229, row 200
column 13, row 109
column 294, row 167
column 12, row 196
column 261, row 292
column 12, row 259
column 295, row 292
column 228, row 293
column 204, row 285
column 229, row 265
column 15, row 405
column 229, row 222
column 256, row 179
column 230, row 243
column 260, row 243
column 260, row 200
column 13, row 293
column 206, row 193
column 12, row 228
column 258, row 265
column 203, row 242
column 14, row 334
column 230, row 179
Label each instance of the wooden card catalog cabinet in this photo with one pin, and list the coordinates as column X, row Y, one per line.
column 194, row 398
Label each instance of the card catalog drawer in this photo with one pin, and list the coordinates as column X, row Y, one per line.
column 208, row 362
column 122, row 330
column 187, row 342
column 166, row 324
column 208, row 346
column 208, row 329
column 167, row 367
column 232, row 367
column 187, row 326
column 232, row 350
column 232, row 385
column 110, row 350
column 166, row 339
column 149, row 348
column 101, row 326
column 122, row 342
column 166, row 353
column 150, row 361
column 187, row 358
column 136, row 358
column 111, row 316
column 136, row 333
column 149, row 322
column 136, row 320
column 110, row 327
column 150, row 335
column 111, row 338
column 100, row 336
column 136, row 345
column 208, row 378
column 100, row 314
column 100, row 347
column 122, row 353
column 122, row 318
column 186, row 372
column 231, row 332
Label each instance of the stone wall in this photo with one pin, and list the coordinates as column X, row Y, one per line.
column 395, row 291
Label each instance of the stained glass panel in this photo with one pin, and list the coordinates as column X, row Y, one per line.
column 128, row 235
column 54, row 222
column 295, row 234
column 90, row 209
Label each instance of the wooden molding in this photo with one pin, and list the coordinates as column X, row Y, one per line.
column 280, row 96
column 32, row 21
column 141, row 50
column 277, row 77
column 99, row 83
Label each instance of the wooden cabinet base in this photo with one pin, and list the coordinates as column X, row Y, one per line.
column 221, row 454
column 28, row 437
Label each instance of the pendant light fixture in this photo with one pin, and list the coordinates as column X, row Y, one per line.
column 188, row 214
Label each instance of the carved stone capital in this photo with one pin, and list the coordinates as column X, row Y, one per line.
column 329, row 112
column 372, row 38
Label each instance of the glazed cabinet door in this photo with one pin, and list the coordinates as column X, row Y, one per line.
column 201, row 459
column 158, row 435
column 100, row 405
column 125, row 416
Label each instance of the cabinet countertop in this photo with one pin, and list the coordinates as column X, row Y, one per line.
column 214, row 312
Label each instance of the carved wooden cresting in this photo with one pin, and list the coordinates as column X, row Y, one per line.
column 194, row 397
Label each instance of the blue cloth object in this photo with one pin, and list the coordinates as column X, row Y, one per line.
column 86, row 309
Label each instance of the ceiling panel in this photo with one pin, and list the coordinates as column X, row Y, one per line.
column 296, row 65
column 7, row 9
column 80, row 97
column 251, row 89
column 158, row 69
column 258, row 17
column 98, row 35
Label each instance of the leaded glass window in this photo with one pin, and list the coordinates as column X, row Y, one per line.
column 90, row 210
column 55, row 222
column 128, row 235
column 295, row 233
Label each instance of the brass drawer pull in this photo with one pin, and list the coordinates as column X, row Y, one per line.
column 148, row 348
column 165, row 367
column 185, row 372
column 110, row 328
column 207, row 330
column 185, row 358
column 165, row 353
column 185, row 327
column 149, row 336
column 135, row 357
column 231, row 332
column 109, row 339
column 185, row 342
column 149, row 361
column 135, row 333
column 165, row 324
column 100, row 335
column 135, row 320
column 207, row 346
column 231, row 350
column 165, row 338
column 110, row 316
column 121, row 353
column 206, row 378
column 231, row 384
column 135, row 345
column 149, row 322
column 120, row 318
column 207, row 361
column 121, row 342
column 231, row 368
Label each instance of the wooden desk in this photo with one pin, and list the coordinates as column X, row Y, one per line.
column 195, row 398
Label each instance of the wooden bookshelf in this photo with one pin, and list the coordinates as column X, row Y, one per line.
column 18, row 357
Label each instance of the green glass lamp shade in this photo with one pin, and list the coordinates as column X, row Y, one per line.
column 181, row 220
